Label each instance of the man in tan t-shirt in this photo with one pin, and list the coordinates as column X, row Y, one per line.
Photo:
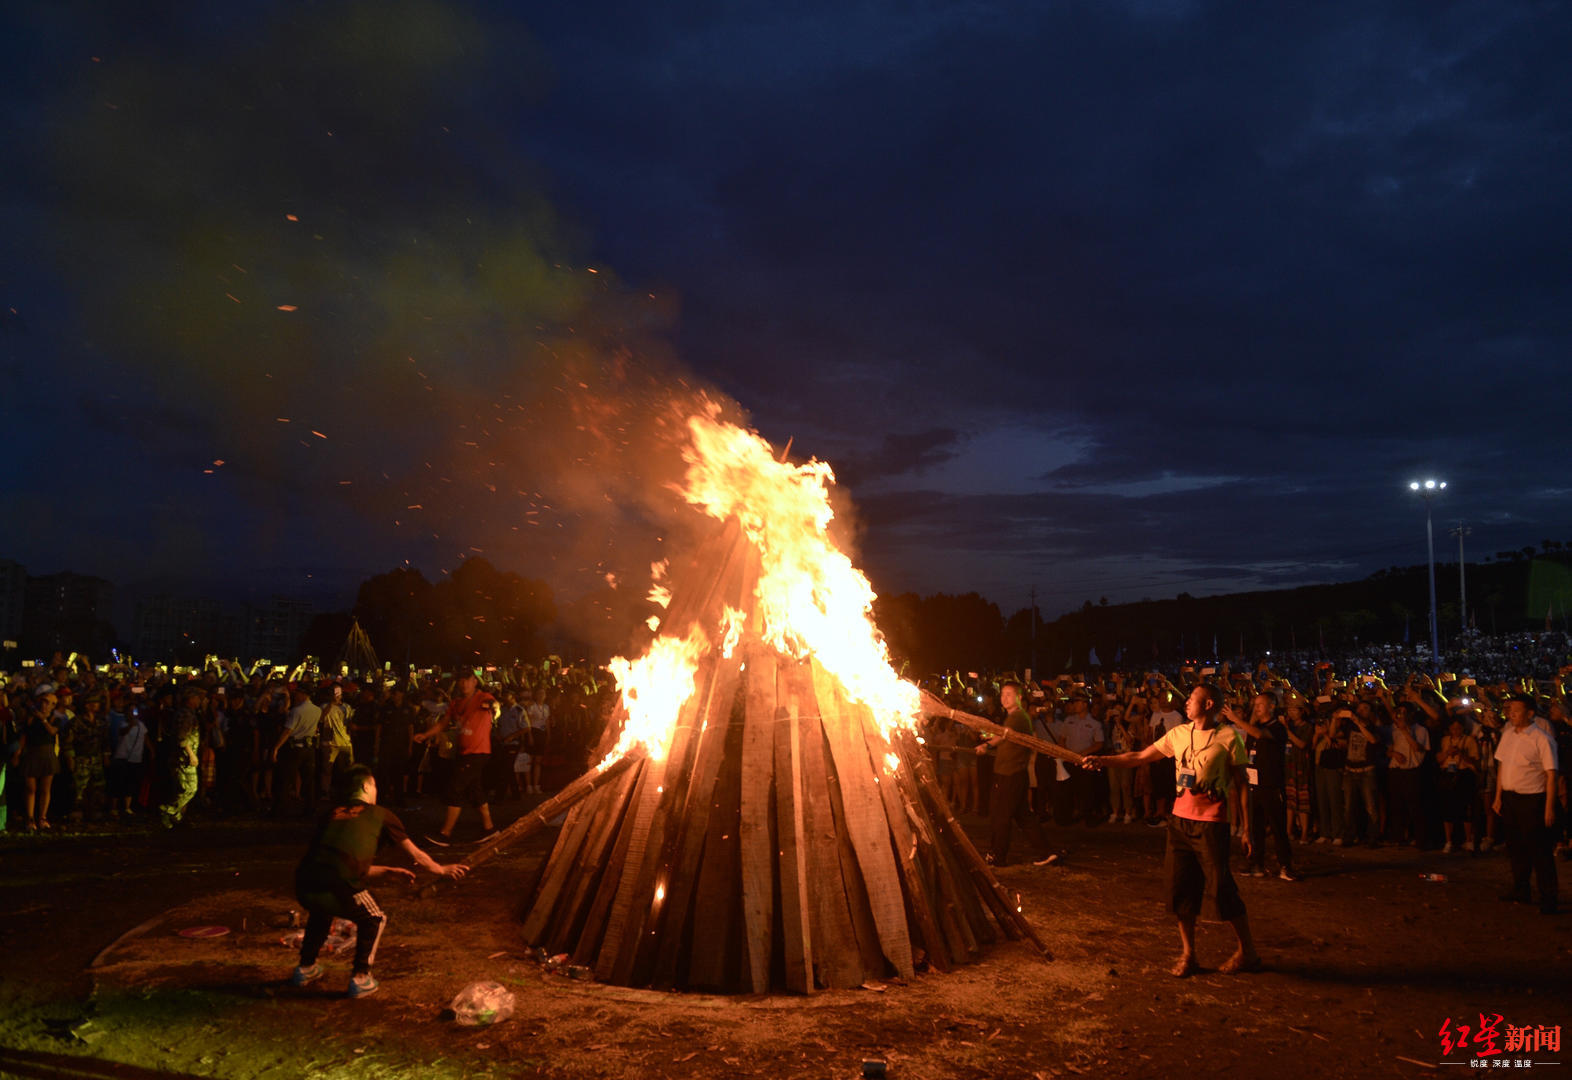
column 1209, row 772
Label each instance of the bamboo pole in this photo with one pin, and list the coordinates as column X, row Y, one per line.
column 932, row 706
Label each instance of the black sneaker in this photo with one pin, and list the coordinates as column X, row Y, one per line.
column 488, row 834
column 1155, row 823
column 436, row 839
column 1515, row 897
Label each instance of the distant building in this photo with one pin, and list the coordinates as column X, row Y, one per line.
column 184, row 630
column 66, row 613
column 273, row 631
column 13, row 599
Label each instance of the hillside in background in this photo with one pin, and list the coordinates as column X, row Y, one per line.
column 1508, row 592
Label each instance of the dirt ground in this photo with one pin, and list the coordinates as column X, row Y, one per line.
column 1365, row 960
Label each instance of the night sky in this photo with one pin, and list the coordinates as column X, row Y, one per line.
column 1118, row 299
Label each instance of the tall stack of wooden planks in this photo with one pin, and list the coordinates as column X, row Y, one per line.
column 773, row 847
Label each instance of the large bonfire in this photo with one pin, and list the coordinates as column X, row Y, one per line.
column 763, row 817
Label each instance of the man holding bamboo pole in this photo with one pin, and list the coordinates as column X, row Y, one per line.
column 1210, row 771
column 1007, row 797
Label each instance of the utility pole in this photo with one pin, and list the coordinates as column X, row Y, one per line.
column 1033, row 594
column 1427, row 491
column 1461, row 531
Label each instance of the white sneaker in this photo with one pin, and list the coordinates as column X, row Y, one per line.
column 1322, row 839
column 1113, row 819
column 1337, row 841
column 1486, row 844
column 1129, row 819
column 1447, row 848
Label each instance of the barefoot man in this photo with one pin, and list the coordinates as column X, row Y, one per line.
column 1209, row 769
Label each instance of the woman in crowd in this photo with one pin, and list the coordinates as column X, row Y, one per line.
column 1459, row 765
column 1121, row 782
column 40, row 759
column 1299, row 788
column 1331, row 748
column 127, row 762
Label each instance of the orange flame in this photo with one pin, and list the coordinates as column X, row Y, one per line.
column 812, row 600
column 654, row 688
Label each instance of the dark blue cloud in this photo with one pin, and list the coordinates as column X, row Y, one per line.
column 1136, row 296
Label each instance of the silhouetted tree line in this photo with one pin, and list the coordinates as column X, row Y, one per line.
column 476, row 613
column 1510, row 592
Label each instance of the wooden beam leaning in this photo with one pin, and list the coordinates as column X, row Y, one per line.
column 755, row 827
column 680, row 871
column 932, row 706
column 694, row 602
column 999, row 898
column 837, row 959
column 589, row 865
column 796, row 931
column 867, row 825
column 565, row 799
column 904, row 843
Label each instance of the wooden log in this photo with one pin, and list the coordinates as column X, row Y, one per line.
column 1004, row 904
column 837, row 958
column 905, row 844
column 588, row 867
column 559, row 866
column 866, row 825
column 946, row 882
column 696, row 601
column 755, row 829
column 957, row 887
column 796, row 930
column 569, row 796
column 669, row 878
column 596, row 920
column 932, row 706
column 716, row 961
column 868, row 946
column 680, row 867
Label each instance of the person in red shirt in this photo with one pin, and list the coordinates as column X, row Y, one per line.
column 1209, row 771
column 471, row 715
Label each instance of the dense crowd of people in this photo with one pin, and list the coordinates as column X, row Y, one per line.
column 1364, row 749
column 119, row 743
column 1367, row 747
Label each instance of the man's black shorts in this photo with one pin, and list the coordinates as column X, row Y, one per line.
column 1195, row 870
column 468, row 783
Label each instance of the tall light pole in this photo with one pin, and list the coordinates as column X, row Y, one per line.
column 1461, row 531
column 1427, row 491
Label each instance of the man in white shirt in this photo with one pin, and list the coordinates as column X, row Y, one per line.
column 1407, row 743
column 1080, row 731
column 1526, row 802
column 295, row 753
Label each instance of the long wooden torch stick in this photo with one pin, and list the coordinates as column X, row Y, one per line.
column 537, row 818
column 933, row 706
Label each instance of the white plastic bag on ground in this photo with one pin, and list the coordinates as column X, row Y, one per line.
column 482, row 1003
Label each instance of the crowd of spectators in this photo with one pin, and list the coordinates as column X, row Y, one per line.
column 122, row 743
column 1367, row 747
